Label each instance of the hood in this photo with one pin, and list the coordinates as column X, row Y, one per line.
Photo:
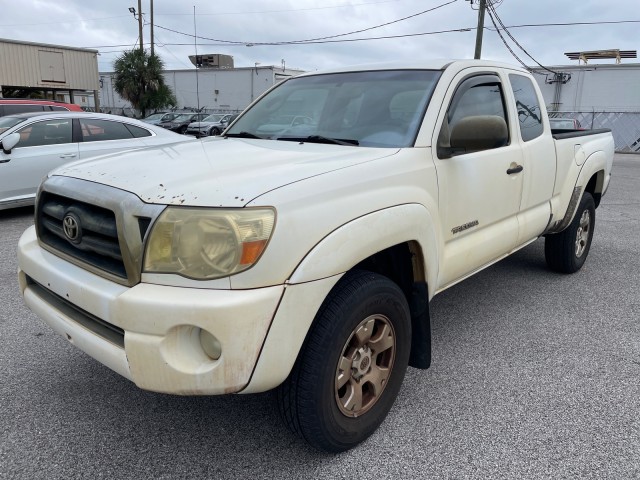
column 227, row 172
column 203, row 124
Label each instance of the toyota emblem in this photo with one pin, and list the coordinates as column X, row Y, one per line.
column 71, row 228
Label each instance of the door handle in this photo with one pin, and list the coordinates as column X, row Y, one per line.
column 516, row 169
column 5, row 160
column 68, row 155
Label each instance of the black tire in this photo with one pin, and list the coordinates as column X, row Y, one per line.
column 566, row 252
column 183, row 130
column 214, row 131
column 363, row 315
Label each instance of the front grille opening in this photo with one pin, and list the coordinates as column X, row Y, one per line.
column 106, row 330
column 98, row 243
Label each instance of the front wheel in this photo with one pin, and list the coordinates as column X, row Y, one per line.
column 351, row 367
column 214, row 131
column 567, row 251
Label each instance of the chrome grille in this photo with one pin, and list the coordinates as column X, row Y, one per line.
column 98, row 240
column 105, row 226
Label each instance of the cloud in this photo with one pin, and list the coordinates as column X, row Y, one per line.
column 108, row 26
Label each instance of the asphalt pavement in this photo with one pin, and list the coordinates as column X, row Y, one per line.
column 534, row 375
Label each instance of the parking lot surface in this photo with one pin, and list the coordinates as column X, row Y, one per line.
column 534, row 375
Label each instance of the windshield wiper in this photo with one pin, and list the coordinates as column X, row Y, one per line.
column 320, row 139
column 243, row 135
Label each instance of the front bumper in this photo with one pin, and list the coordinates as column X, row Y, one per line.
column 197, row 132
column 150, row 334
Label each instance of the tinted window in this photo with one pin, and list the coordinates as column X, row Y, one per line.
column 11, row 109
column 529, row 116
column 94, row 130
column 7, row 122
column 483, row 99
column 476, row 119
column 48, row 132
column 137, row 131
column 55, row 108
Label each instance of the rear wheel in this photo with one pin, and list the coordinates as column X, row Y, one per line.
column 567, row 251
column 351, row 367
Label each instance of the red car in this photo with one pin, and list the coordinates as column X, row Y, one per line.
column 9, row 106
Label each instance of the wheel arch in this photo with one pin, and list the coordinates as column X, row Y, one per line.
column 397, row 242
column 592, row 175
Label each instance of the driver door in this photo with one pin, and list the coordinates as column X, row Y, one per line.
column 480, row 187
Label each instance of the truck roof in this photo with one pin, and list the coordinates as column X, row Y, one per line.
column 427, row 64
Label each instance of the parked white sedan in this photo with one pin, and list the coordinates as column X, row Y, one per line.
column 33, row 144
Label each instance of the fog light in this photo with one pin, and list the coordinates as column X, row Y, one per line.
column 210, row 345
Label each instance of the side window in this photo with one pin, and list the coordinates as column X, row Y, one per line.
column 529, row 116
column 57, row 108
column 138, row 131
column 95, row 130
column 49, row 132
column 476, row 119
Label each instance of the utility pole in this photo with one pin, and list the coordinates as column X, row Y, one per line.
column 479, row 31
column 151, row 12
column 140, row 24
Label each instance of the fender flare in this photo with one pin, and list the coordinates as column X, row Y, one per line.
column 324, row 265
column 595, row 163
column 369, row 234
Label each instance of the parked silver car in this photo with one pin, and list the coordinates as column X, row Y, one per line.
column 33, row 144
column 211, row 125
column 158, row 118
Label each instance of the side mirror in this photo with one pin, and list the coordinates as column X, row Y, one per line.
column 9, row 142
column 476, row 133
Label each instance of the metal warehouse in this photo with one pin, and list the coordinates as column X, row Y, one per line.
column 598, row 95
column 206, row 89
column 49, row 71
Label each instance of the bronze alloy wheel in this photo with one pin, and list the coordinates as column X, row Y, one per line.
column 365, row 365
column 350, row 369
column 583, row 232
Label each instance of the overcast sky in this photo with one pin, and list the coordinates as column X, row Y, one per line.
column 109, row 27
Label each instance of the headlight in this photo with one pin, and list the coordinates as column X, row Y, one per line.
column 204, row 243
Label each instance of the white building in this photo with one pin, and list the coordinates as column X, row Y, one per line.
column 599, row 96
column 210, row 89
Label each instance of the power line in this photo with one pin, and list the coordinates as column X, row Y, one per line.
column 492, row 13
column 571, row 24
column 466, row 29
column 505, row 42
column 310, row 40
column 386, row 37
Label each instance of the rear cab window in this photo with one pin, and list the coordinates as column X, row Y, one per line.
column 528, row 107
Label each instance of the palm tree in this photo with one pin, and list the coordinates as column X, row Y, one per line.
column 138, row 78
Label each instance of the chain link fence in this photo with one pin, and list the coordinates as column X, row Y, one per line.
column 625, row 126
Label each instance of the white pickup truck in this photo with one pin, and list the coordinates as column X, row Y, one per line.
column 300, row 250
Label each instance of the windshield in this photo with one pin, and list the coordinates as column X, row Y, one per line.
column 7, row 122
column 155, row 116
column 374, row 108
column 213, row 118
column 185, row 117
